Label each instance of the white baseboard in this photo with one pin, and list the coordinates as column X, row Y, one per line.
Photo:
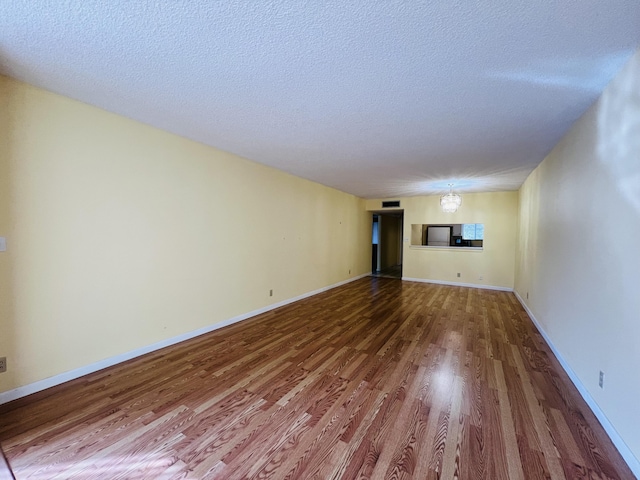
column 625, row 451
column 458, row 284
column 40, row 385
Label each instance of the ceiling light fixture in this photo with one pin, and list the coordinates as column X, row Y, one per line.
column 450, row 201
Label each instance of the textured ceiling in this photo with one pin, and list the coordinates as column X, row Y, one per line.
column 379, row 99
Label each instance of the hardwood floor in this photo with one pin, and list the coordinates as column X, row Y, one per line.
column 376, row 379
column 390, row 272
column 5, row 471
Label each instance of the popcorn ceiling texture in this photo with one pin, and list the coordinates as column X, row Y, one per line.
column 378, row 99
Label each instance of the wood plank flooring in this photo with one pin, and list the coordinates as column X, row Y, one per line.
column 5, row 471
column 375, row 379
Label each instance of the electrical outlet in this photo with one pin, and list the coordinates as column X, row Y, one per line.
column 271, row 293
column 3, row 364
column 601, row 380
column 458, row 274
column 481, row 277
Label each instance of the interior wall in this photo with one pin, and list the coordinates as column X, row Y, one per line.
column 498, row 211
column 577, row 259
column 6, row 294
column 122, row 235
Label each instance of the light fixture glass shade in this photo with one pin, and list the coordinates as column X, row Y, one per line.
column 450, row 201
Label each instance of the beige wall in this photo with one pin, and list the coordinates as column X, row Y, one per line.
column 122, row 235
column 578, row 254
column 495, row 263
column 6, row 296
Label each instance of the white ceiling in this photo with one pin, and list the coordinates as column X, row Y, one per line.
column 375, row 98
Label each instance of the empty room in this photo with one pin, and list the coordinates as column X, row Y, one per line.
column 330, row 240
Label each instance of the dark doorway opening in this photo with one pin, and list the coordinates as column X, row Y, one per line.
column 386, row 244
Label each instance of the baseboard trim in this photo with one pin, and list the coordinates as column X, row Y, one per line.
column 625, row 451
column 61, row 378
column 458, row 284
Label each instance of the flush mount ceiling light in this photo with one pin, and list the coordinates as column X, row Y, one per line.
column 450, row 201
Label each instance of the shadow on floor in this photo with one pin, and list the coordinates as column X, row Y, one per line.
column 391, row 272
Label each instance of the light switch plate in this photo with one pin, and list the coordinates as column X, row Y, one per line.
column 3, row 244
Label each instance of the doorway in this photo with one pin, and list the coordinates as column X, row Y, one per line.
column 386, row 244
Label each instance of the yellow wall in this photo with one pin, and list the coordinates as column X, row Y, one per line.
column 6, row 297
column 495, row 263
column 122, row 235
column 577, row 256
